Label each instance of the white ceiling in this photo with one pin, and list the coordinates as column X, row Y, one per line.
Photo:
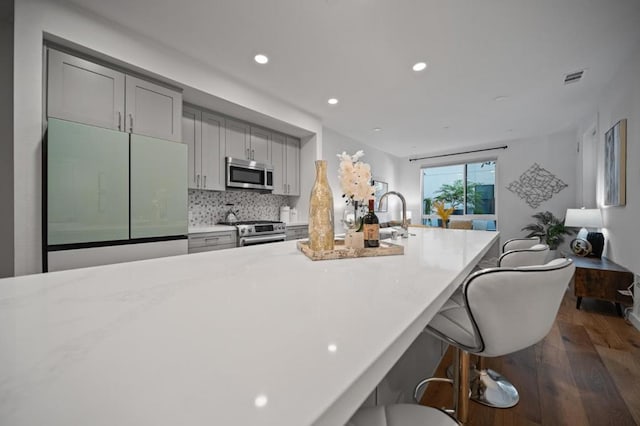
column 361, row 52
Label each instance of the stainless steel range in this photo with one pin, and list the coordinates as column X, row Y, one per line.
column 252, row 232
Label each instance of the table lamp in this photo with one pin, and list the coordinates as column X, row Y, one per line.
column 587, row 218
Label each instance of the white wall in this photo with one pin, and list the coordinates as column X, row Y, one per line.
column 6, row 139
column 621, row 99
column 556, row 152
column 33, row 18
column 383, row 167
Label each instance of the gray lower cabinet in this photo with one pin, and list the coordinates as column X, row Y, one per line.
column 208, row 241
column 203, row 133
column 285, row 152
column 297, row 232
column 84, row 92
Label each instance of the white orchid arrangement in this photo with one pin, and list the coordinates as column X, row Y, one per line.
column 355, row 178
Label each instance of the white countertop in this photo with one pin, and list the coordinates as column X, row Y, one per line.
column 198, row 339
column 210, row 228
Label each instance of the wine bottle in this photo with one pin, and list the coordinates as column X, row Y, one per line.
column 371, row 228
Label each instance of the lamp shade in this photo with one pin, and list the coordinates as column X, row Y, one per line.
column 583, row 218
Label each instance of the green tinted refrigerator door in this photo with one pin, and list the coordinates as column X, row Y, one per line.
column 87, row 183
column 158, row 187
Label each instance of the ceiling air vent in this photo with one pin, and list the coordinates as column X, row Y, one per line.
column 573, row 77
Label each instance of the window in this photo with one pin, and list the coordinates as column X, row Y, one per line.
column 469, row 188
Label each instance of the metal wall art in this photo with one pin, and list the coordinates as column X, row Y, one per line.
column 536, row 185
column 615, row 165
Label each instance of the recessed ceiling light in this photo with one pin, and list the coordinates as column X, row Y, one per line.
column 332, row 101
column 420, row 66
column 261, row 59
column 377, row 129
column 500, row 98
column 261, row 401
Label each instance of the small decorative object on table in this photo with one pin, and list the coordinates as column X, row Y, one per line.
column 586, row 218
column 321, row 233
column 442, row 212
column 580, row 247
column 371, row 227
column 355, row 182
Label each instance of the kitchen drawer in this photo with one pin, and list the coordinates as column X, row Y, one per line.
column 212, row 241
column 297, row 232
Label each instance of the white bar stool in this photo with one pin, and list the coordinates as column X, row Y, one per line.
column 505, row 310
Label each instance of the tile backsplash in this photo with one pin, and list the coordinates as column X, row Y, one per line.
column 208, row 207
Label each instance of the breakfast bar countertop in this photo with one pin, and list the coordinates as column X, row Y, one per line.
column 259, row 335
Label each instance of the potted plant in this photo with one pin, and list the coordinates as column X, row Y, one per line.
column 549, row 228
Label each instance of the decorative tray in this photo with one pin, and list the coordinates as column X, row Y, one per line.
column 340, row 251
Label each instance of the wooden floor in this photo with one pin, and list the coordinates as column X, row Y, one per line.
column 585, row 372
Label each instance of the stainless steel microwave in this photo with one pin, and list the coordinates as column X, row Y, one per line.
column 249, row 174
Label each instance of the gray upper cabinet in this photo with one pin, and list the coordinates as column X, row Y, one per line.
column 153, row 110
column 285, row 152
column 192, row 136
column 203, row 133
column 260, row 145
column 278, row 160
column 212, row 153
column 237, row 138
column 248, row 142
column 84, row 92
column 293, row 166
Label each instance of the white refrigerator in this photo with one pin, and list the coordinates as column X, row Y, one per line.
column 111, row 196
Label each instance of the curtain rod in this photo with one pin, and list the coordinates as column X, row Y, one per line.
column 458, row 153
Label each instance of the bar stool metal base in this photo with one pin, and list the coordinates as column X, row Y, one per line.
column 491, row 389
column 460, row 382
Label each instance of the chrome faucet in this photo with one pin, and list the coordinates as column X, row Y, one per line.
column 405, row 224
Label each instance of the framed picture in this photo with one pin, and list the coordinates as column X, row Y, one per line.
column 380, row 188
column 615, row 165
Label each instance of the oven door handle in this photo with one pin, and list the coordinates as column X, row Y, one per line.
column 262, row 239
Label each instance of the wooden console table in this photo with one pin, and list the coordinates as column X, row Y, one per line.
column 601, row 279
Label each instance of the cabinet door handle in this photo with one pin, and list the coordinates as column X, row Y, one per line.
column 248, row 154
column 130, row 122
column 119, row 120
column 205, row 181
column 253, row 154
column 284, row 188
column 198, row 180
column 288, row 189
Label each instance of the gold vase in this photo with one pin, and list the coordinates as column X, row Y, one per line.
column 321, row 211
